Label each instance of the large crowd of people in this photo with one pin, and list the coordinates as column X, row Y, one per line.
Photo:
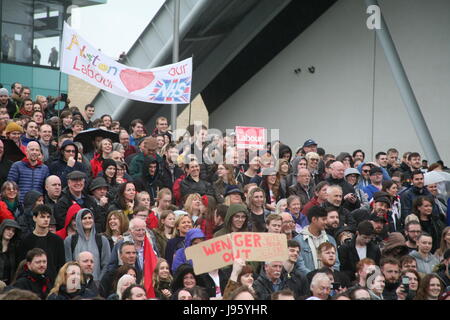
column 90, row 209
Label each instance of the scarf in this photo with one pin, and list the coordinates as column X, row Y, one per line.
column 12, row 205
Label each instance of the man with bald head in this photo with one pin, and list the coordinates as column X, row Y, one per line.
column 86, row 262
column 350, row 200
column 29, row 173
column 303, row 188
column 53, row 188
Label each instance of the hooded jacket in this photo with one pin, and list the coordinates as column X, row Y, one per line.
column 426, row 265
column 183, row 270
column 8, row 259
column 231, row 212
column 180, row 256
column 71, row 213
column 25, row 220
column 147, row 182
column 61, row 169
column 4, row 212
column 5, row 165
column 28, row 177
column 88, row 244
column 67, row 200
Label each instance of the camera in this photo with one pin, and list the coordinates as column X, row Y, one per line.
column 405, row 283
column 64, row 97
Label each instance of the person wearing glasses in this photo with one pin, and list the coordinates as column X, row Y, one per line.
column 67, row 162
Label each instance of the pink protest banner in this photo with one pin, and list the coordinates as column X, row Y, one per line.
column 250, row 138
column 250, row 246
column 170, row 84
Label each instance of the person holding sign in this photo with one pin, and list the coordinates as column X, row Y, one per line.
column 235, row 221
column 241, row 275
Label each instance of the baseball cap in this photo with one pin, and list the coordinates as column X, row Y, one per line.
column 309, row 142
column 375, row 170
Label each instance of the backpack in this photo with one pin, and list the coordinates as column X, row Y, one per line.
column 98, row 240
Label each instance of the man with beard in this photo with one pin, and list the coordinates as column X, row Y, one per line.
column 413, row 230
column 332, row 223
column 334, row 200
column 390, row 268
column 327, row 256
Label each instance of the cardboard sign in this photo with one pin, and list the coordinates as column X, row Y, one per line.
column 250, row 138
column 250, row 246
column 169, row 84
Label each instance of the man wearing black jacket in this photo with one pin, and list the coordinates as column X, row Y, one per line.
column 270, row 281
column 41, row 237
column 75, row 194
column 359, row 248
column 34, row 278
column 349, row 199
column 295, row 281
column 170, row 171
column 193, row 184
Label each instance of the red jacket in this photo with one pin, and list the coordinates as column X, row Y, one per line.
column 313, row 202
column 4, row 212
column 177, row 190
column 152, row 221
column 71, row 213
column 96, row 165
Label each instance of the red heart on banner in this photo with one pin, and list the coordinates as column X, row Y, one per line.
column 135, row 80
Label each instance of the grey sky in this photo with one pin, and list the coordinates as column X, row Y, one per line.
column 114, row 27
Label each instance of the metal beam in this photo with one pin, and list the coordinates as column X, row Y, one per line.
column 175, row 58
column 406, row 91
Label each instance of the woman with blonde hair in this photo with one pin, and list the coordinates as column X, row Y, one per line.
column 124, row 282
column 165, row 230
column 194, row 206
column 162, row 280
column 116, row 226
column 445, row 244
column 70, row 283
column 183, row 224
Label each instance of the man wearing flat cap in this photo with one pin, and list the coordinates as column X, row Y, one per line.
column 75, row 193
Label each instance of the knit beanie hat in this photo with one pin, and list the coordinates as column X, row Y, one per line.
column 4, row 92
column 12, row 126
column 107, row 163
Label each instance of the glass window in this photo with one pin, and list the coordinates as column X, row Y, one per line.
column 18, row 11
column 48, row 24
column 16, row 43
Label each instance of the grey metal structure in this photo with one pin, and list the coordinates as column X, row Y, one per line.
column 406, row 91
column 175, row 57
column 213, row 32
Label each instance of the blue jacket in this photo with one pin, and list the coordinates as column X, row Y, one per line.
column 180, row 256
column 370, row 190
column 305, row 261
column 27, row 177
